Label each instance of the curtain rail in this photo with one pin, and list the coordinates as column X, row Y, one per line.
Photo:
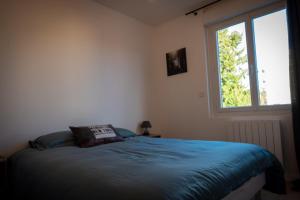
column 195, row 12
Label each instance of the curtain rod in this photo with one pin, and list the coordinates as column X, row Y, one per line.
column 195, row 11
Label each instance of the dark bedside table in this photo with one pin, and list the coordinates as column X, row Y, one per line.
column 152, row 135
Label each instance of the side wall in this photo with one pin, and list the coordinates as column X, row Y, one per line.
column 69, row 63
column 180, row 105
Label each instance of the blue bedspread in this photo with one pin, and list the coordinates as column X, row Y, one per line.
column 140, row 168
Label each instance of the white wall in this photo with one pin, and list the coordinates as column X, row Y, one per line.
column 68, row 63
column 180, row 104
column 76, row 62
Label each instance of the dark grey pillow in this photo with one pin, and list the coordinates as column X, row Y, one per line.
column 125, row 133
column 52, row 140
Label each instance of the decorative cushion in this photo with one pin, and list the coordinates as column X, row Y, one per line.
column 125, row 133
column 52, row 140
column 87, row 136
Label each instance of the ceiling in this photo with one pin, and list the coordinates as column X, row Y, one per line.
column 154, row 12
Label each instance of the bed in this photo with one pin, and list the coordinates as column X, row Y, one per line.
column 142, row 168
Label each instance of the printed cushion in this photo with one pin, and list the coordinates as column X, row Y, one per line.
column 87, row 136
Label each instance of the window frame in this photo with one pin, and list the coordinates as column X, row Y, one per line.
column 213, row 64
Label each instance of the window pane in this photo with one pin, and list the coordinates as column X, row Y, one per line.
column 233, row 67
column 272, row 57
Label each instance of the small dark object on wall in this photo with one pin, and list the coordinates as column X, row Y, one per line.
column 176, row 62
column 145, row 125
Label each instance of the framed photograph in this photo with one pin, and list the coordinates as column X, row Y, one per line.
column 176, row 62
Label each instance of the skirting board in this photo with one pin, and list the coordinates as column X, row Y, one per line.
column 248, row 190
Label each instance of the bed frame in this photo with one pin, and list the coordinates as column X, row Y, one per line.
column 249, row 190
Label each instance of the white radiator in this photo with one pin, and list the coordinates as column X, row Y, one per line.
column 265, row 133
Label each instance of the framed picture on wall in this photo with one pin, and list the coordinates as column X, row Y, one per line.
column 176, row 62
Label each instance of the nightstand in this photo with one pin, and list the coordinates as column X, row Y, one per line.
column 151, row 135
column 155, row 135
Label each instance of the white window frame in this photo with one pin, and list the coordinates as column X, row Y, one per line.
column 213, row 68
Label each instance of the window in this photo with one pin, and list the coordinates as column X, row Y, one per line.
column 249, row 61
column 272, row 58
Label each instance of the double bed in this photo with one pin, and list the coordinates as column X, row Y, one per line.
column 142, row 168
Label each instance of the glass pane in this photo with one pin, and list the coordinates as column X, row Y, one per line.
column 233, row 67
column 272, row 57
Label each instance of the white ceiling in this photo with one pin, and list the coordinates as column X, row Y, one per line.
column 154, row 12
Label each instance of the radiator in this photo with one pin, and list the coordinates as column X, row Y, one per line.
column 265, row 133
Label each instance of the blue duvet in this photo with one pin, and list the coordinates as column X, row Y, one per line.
column 141, row 168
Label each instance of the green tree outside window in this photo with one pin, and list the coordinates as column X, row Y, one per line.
column 231, row 59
